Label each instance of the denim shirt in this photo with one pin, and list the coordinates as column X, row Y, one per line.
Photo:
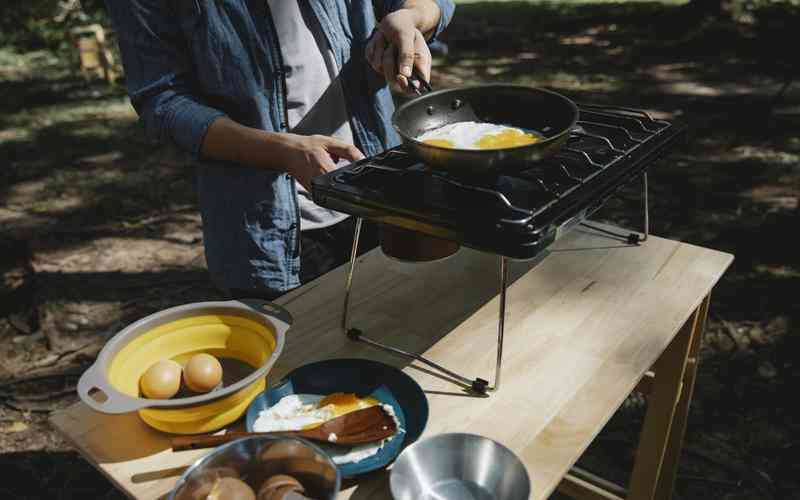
column 189, row 62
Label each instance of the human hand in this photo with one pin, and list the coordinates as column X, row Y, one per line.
column 396, row 46
column 308, row 156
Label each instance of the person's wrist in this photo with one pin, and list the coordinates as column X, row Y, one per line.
column 287, row 146
column 416, row 17
column 271, row 149
column 425, row 13
column 409, row 17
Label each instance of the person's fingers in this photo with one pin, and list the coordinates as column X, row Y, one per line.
column 422, row 59
column 378, row 49
column 343, row 150
column 405, row 52
column 323, row 162
column 390, row 65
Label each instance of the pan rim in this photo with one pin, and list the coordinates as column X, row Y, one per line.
column 536, row 145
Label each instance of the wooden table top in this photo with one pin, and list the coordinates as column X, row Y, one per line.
column 582, row 327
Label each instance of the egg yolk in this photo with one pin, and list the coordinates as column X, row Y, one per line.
column 442, row 143
column 340, row 403
column 346, row 402
column 508, row 138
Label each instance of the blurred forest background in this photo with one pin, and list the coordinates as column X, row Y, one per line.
column 99, row 227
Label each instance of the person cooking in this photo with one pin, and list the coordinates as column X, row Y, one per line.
column 266, row 95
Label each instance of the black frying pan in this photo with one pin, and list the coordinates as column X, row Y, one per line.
column 547, row 113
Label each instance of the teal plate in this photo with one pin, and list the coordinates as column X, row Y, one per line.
column 362, row 377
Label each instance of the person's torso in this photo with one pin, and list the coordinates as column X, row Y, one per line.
column 315, row 102
column 251, row 216
column 237, row 63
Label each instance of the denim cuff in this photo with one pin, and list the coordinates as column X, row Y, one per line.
column 191, row 122
column 447, row 8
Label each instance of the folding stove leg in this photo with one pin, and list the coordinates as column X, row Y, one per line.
column 478, row 385
column 631, row 238
column 646, row 208
column 349, row 283
column 501, row 321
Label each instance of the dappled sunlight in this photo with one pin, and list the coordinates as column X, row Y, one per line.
column 584, row 40
column 778, row 271
column 55, row 205
column 705, row 90
column 692, row 78
column 784, row 196
column 766, row 154
column 523, row 69
column 35, row 200
column 129, row 254
column 14, row 134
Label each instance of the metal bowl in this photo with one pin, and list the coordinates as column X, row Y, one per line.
column 256, row 459
column 459, row 466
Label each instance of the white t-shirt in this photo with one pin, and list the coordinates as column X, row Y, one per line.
column 315, row 99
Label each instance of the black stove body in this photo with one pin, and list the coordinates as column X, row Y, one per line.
column 516, row 214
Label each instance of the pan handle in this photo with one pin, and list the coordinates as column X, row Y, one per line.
column 418, row 82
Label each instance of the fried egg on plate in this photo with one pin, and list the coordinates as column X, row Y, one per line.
column 478, row 135
column 306, row 411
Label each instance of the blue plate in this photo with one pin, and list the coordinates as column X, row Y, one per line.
column 362, row 377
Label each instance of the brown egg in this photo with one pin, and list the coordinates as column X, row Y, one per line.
column 230, row 488
column 202, row 372
column 201, row 486
column 277, row 486
column 281, row 494
column 162, row 380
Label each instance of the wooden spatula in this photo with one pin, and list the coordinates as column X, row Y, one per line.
column 358, row 427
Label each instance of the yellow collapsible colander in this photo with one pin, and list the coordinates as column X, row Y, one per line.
column 249, row 332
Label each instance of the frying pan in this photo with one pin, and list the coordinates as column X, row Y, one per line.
column 547, row 113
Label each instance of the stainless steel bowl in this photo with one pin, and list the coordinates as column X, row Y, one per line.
column 459, row 467
column 256, row 459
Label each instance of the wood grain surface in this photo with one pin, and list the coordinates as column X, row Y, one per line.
column 582, row 328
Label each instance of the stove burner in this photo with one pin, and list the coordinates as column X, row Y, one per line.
column 516, row 213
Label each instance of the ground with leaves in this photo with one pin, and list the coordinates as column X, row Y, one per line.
column 98, row 227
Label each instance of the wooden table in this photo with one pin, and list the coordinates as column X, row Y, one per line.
column 596, row 319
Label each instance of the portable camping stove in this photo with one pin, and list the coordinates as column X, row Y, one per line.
column 516, row 214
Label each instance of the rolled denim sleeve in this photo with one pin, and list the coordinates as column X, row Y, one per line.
column 447, row 8
column 158, row 74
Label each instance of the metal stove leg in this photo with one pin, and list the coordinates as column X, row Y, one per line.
column 349, row 284
column 646, row 208
column 631, row 238
column 501, row 322
column 477, row 385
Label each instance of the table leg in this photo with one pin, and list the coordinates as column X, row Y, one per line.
column 672, row 455
column 659, row 447
column 669, row 394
